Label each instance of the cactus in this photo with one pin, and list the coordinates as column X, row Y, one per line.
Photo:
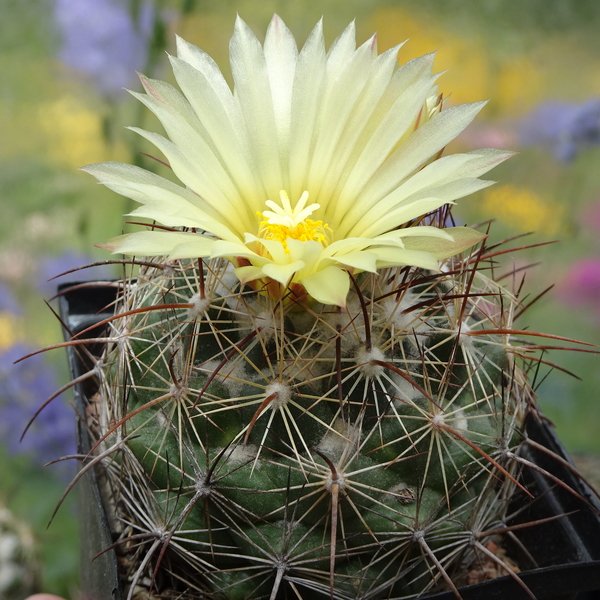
column 262, row 446
column 294, row 407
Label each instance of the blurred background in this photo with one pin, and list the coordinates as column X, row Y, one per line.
column 63, row 67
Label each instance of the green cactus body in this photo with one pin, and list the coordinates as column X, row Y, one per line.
column 292, row 450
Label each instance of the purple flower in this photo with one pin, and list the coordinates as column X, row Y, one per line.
column 581, row 285
column 566, row 128
column 24, row 387
column 8, row 302
column 102, row 39
column 53, row 266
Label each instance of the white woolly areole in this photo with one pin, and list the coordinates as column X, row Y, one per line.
column 437, row 420
column 265, row 321
column 232, row 376
column 200, row 305
column 202, row 488
column 178, row 391
column 401, row 321
column 282, row 392
column 242, row 454
column 462, row 328
column 226, row 283
column 161, row 420
column 419, row 534
column 464, row 338
column 340, row 480
column 336, row 440
column 364, row 359
column 393, row 311
column 124, row 345
column 460, row 420
column 404, row 390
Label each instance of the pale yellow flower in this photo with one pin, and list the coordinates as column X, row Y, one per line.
column 309, row 169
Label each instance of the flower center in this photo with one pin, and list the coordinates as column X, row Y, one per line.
column 283, row 222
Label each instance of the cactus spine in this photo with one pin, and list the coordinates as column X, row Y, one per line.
column 269, row 448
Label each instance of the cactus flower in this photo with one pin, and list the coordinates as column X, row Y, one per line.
column 316, row 165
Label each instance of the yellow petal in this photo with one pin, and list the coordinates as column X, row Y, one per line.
column 248, row 273
column 362, row 261
column 462, row 239
column 329, row 286
column 282, row 273
column 396, row 257
column 159, row 243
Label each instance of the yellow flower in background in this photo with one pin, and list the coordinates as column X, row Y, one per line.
column 471, row 82
column 73, row 132
column 9, row 332
column 514, row 82
column 519, row 85
column 311, row 168
column 521, row 208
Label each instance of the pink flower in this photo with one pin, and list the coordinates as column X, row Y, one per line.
column 581, row 285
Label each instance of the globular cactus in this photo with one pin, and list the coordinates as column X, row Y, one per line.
column 317, row 400
column 268, row 446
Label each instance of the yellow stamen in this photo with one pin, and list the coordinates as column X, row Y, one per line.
column 283, row 223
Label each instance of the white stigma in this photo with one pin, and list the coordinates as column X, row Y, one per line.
column 287, row 216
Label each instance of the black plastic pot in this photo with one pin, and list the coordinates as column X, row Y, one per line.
column 565, row 551
column 81, row 306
